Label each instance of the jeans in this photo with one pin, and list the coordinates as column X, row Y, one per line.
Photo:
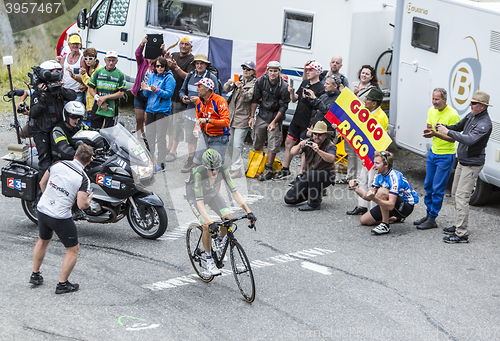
column 438, row 171
column 235, row 146
column 156, row 133
column 310, row 187
column 218, row 143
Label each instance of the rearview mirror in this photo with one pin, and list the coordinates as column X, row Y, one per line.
column 81, row 20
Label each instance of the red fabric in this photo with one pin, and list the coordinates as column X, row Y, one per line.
column 265, row 54
column 60, row 42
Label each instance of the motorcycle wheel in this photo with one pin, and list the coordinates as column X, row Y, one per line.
column 153, row 226
column 29, row 208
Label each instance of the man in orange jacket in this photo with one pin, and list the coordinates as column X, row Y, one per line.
column 212, row 118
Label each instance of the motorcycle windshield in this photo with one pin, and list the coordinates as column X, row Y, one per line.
column 122, row 142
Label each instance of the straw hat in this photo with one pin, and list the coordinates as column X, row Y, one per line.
column 481, row 97
column 201, row 57
column 320, row 128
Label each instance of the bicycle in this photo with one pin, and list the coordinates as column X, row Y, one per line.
column 383, row 69
column 240, row 265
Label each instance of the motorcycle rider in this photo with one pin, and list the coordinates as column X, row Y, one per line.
column 202, row 187
column 61, row 144
column 47, row 103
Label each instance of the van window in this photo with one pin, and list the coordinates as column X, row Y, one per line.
column 116, row 14
column 425, row 34
column 180, row 15
column 298, row 30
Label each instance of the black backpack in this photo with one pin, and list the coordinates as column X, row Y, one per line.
column 212, row 70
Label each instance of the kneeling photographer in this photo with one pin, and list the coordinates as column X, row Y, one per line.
column 47, row 103
column 318, row 157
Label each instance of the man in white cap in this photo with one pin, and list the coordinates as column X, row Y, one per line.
column 472, row 134
column 107, row 86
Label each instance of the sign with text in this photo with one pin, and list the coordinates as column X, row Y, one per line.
column 358, row 127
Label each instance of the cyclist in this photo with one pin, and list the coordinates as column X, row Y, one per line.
column 202, row 188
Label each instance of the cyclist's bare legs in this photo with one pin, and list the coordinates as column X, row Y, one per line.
column 205, row 238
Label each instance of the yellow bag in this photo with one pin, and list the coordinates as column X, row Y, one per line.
column 257, row 164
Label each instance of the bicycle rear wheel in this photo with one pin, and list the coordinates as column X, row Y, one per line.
column 196, row 252
column 383, row 69
column 242, row 271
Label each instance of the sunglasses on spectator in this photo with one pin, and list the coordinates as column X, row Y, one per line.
column 158, row 65
column 474, row 103
column 89, row 58
column 318, row 134
column 246, row 68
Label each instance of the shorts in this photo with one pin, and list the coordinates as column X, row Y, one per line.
column 212, row 198
column 64, row 228
column 401, row 210
column 188, row 129
column 260, row 134
column 99, row 121
column 140, row 101
column 294, row 131
column 176, row 121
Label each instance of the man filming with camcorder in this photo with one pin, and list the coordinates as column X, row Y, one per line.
column 47, row 103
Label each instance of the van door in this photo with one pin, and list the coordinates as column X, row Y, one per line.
column 111, row 28
column 414, row 100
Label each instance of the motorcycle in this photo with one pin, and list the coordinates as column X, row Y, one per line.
column 120, row 173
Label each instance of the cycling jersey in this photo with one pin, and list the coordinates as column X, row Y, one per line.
column 198, row 180
column 397, row 185
column 66, row 179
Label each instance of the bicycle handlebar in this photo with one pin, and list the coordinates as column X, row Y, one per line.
column 252, row 225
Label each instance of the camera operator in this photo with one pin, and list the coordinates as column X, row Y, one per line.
column 318, row 157
column 47, row 103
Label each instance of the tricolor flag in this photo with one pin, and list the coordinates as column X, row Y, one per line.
column 228, row 55
column 358, row 127
column 172, row 39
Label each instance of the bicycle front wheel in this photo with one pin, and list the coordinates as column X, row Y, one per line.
column 196, row 252
column 383, row 69
column 242, row 271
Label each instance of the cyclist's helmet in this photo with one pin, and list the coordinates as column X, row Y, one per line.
column 211, row 159
column 50, row 71
column 74, row 110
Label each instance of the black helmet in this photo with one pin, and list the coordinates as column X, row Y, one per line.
column 73, row 109
column 50, row 71
column 211, row 159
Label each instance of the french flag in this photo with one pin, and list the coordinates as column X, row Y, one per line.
column 228, row 55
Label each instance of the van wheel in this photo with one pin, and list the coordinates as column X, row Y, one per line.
column 481, row 193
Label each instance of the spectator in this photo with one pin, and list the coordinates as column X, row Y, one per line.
column 335, row 66
column 158, row 91
column 318, row 156
column 391, row 192
column 440, row 160
column 372, row 103
column 145, row 68
column 189, row 95
column 301, row 119
column 472, row 134
column 271, row 94
column 213, row 119
column 180, row 63
column 367, row 81
column 107, row 86
column 24, row 132
column 68, row 182
column 240, row 111
column 71, row 64
column 91, row 64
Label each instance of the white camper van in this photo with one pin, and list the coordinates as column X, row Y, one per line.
column 454, row 44
column 357, row 30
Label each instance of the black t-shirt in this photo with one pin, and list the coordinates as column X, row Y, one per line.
column 304, row 108
column 185, row 64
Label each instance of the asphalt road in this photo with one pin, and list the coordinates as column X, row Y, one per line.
column 319, row 275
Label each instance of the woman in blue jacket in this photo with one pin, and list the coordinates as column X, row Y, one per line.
column 159, row 91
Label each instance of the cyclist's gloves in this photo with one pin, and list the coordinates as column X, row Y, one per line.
column 213, row 228
column 251, row 217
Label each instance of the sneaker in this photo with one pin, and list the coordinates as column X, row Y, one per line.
column 63, row 288
column 36, row 278
column 426, row 225
column 282, row 174
column 188, row 166
column 267, row 175
column 449, row 230
column 421, row 220
column 454, row 239
column 212, row 269
column 170, row 157
column 382, row 228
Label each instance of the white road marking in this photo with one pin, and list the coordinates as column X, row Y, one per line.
column 315, row 267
